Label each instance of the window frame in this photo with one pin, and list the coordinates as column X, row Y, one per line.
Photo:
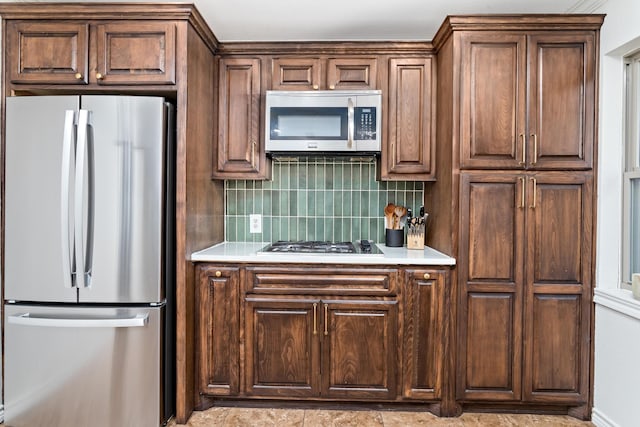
column 631, row 162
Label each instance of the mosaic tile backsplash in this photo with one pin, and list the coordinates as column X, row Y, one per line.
column 316, row 199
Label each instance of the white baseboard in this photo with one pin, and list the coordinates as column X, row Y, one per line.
column 601, row 420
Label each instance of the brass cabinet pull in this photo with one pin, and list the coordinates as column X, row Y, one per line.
column 393, row 155
column 218, row 273
column 316, row 87
column 535, row 148
column 78, row 76
column 524, row 150
column 315, row 318
column 326, row 319
column 522, row 195
column 427, row 276
column 535, row 184
column 332, row 87
column 253, row 153
column 99, row 76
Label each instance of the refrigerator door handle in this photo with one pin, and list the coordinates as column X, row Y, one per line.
column 83, row 242
column 67, row 158
column 26, row 319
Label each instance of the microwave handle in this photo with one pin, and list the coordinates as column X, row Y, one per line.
column 351, row 123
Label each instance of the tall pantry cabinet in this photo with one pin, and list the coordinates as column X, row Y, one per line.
column 515, row 203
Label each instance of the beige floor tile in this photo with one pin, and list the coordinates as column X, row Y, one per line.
column 337, row 418
column 410, row 419
column 264, row 417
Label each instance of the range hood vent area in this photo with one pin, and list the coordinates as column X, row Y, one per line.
column 316, row 198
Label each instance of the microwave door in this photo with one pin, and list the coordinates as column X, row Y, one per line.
column 307, row 128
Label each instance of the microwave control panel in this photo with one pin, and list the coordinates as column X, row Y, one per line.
column 365, row 123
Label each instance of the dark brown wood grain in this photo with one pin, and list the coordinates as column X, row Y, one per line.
column 54, row 53
column 424, row 334
column 523, row 240
column 408, row 149
column 135, row 53
column 240, row 150
column 218, row 324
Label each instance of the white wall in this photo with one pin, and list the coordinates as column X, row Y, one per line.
column 617, row 318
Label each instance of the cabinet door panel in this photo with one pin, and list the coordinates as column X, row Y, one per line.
column 492, row 210
column 408, row 153
column 554, row 368
column 492, row 357
column 359, row 349
column 423, row 334
column 219, row 325
column 493, row 101
column 352, row 73
column 296, row 73
column 559, row 227
column 562, row 100
column 239, row 152
column 282, row 348
column 136, row 53
column 47, row 53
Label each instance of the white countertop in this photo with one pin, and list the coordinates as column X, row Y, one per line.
column 248, row 252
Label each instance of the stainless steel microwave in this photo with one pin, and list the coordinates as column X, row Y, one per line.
column 323, row 121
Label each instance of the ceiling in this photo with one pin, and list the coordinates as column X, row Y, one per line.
column 304, row 20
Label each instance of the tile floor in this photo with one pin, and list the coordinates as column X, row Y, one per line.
column 261, row 417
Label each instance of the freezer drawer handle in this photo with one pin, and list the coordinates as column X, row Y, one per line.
column 140, row 319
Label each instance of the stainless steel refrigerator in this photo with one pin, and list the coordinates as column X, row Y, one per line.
column 88, row 261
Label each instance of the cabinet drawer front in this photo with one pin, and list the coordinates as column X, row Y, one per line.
column 319, row 280
column 47, row 53
column 136, row 53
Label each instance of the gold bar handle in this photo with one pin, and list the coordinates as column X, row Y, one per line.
column 535, row 148
column 393, row 156
column 326, row 319
column 524, row 150
column 253, row 153
column 522, row 193
column 315, row 318
column 535, row 184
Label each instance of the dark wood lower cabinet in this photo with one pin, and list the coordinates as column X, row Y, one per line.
column 298, row 332
column 359, row 349
column 524, row 289
column 218, row 330
column 385, row 335
column 282, row 347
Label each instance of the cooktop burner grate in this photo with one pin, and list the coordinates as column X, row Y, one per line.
column 365, row 247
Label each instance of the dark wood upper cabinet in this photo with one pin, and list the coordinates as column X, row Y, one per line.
column 136, row 53
column 315, row 73
column 408, row 148
column 114, row 53
column 47, row 52
column 562, row 100
column 239, row 150
column 527, row 100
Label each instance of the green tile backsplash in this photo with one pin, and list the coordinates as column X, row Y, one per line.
column 316, row 199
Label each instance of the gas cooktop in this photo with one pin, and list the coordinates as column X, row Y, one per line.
column 359, row 247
